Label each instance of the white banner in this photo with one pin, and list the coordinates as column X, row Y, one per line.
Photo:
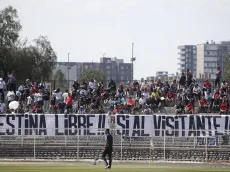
column 172, row 125
column 52, row 125
column 126, row 125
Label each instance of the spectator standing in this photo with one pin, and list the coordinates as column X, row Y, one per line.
column 46, row 99
column 206, row 87
column 76, row 85
column 69, row 103
column 182, row 81
column 174, row 86
column 2, row 88
column 197, row 91
column 65, row 95
column 112, row 86
column 53, row 106
column 58, row 96
column 12, row 82
column 39, row 98
column 92, row 86
column 189, row 77
column 218, row 77
column 29, row 101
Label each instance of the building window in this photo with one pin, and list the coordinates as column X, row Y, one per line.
column 107, row 67
column 209, row 59
column 108, row 72
column 122, row 67
column 122, row 78
column 86, row 66
column 108, row 61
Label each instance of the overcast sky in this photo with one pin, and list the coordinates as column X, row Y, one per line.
column 89, row 28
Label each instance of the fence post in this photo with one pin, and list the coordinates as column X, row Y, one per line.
column 121, row 147
column 65, row 140
column 164, row 145
column 34, row 147
column 194, row 140
column 206, row 149
column 78, row 146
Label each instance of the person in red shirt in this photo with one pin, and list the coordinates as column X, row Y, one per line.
column 216, row 95
column 203, row 105
column 170, row 97
column 189, row 108
column 224, row 106
column 206, row 86
column 69, row 103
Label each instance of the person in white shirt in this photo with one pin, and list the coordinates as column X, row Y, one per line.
column 145, row 94
column 208, row 96
column 142, row 100
column 39, row 97
column 58, row 96
column 29, row 101
column 65, row 95
column 10, row 96
column 92, row 86
column 2, row 88
column 197, row 91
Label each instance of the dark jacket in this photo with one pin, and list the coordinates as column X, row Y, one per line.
column 182, row 80
column 109, row 142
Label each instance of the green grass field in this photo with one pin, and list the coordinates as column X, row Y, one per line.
column 99, row 168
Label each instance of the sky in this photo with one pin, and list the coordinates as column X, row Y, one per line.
column 87, row 29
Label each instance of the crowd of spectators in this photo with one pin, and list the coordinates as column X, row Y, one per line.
column 125, row 98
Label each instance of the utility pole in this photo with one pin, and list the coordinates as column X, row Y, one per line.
column 132, row 60
column 68, row 68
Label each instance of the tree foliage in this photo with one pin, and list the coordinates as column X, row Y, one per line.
column 227, row 67
column 34, row 60
column 95, row 74
column 60, row 80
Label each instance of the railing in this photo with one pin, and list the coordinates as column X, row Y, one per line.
column 192, row 148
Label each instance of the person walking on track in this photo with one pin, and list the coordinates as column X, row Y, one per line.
column 108, row 149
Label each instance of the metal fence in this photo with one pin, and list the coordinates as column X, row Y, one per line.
column 125, row 148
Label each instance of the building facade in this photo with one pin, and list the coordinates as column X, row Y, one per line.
column 203, row 59
column 187, row 58
column 209, row 56
column 114, row 69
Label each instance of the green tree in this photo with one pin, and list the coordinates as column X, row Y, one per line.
column 9, row 27
column 35, row 61
column 227, row 67
column 59, row 80
column 44, row 58
column 95, row 74
column 9, row 33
